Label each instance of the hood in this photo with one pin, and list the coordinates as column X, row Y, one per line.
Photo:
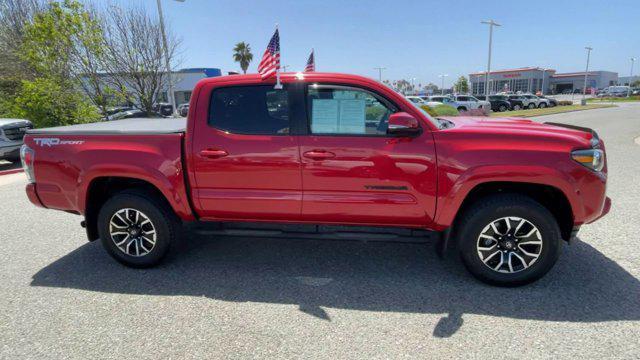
column 14, row 122
column 523, row 127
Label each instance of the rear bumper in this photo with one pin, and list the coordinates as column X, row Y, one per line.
column 33, row 195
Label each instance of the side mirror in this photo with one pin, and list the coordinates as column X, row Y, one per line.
column 402, row 123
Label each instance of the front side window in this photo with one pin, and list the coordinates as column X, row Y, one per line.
column 346, row 110
column 256, row 110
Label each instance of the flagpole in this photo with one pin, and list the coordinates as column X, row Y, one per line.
column 278, row 84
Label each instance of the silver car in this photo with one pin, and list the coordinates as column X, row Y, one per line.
column 11, row 133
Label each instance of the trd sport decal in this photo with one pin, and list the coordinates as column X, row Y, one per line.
column 56, row 141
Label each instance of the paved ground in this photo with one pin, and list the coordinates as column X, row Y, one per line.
column 247, row 298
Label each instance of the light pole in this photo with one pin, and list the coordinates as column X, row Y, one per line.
column 380, row 72
column 284, row 68
column 586, row 74
column 633, row 60
column 491, row 24
column 413, row 85
column 171, row 97
column 442, row 76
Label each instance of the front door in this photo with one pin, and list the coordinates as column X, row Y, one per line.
column 354, row 172
column 246, row 161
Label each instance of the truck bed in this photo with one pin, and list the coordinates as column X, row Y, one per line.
column 135, row 126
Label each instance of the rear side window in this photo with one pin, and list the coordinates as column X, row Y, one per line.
column 250, row 110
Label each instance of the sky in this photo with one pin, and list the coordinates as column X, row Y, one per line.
column 411, row 39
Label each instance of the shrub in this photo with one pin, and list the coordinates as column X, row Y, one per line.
column 565, row 102
column 440, row 110
column 46, row 103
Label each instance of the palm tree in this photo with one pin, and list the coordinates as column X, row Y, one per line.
column 242, row 54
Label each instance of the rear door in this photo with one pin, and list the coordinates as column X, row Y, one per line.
column 353, row 171
column 245, row 156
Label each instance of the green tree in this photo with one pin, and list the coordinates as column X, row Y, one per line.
column 462, row 85
column 59, row 44
column 242, row 54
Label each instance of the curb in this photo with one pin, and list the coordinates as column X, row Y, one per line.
column 9, row 172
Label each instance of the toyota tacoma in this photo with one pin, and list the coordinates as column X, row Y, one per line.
column 327, row 152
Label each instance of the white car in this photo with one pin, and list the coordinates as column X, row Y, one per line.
column 468, row 102
column 416, row 100
column 535, row 102
column 439, row 100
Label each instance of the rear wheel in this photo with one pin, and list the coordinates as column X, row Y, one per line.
column 542, row 105
column 137, row 229
column 517, row 107
column 531, row 106
column 508, row 240
column 462, row 108
column 502, row 108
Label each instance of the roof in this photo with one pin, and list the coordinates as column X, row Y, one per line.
column 514, row 70
column 580, row 73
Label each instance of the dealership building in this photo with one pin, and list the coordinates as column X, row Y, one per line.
column 534, row 79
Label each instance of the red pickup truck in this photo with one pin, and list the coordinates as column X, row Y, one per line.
column 327, row 151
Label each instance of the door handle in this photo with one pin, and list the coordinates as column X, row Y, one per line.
column 319, row 154
column 213, row 153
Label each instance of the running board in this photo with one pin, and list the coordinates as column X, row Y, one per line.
column 304, row 231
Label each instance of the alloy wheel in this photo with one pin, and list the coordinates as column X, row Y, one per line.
column 132, row 232
column 509, row 244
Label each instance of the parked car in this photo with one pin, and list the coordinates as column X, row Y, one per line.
column 635, row 91
column 440, row 99
column 164, row 109
column 535, row 102
column 468, row 102
column 518, row 102
column 11, row 133
column 117, row 109
column 183, row 109
column 358, row 156
column 136, row 113
column 551, row 101
column 416, row 100
column 499, row 103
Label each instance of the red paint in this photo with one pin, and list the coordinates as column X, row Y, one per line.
column 418, row 180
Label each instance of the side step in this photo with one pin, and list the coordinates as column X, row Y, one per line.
column 304, row 231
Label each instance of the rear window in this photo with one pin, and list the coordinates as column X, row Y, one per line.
column 257, row 109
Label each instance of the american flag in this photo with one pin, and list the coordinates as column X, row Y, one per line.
column 270, row 62
column 311, row 63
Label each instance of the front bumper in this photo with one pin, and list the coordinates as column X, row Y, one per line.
column 10, row 151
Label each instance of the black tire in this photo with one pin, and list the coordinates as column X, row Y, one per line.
column 478, row 217
column 542, row 105
column 531, row 106
column 462, row 108
column 502, row 108
column 164, row 221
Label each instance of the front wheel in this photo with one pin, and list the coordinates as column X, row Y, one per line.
column 517, row 107
column 531, row 106
column 543, row 105
column 502, row 108
column 137, row 229
column 508, row 240
column 462, row 108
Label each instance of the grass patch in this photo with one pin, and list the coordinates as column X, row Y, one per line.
column 550, row 110
column 615, row 99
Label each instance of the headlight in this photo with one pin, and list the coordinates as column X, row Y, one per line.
column 592, row 158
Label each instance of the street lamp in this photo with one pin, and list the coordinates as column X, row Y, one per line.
column 413, row 85
column 284, row 68
column 171, row 97
column 630, row 77
column 380, row 72
column 586, row 74
column 491, row 24
column 442, row 77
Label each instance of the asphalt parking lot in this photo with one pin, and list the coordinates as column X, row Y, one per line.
column 61, row 296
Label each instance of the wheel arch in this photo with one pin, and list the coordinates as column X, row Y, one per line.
column 551, row 197
column 102, row 188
